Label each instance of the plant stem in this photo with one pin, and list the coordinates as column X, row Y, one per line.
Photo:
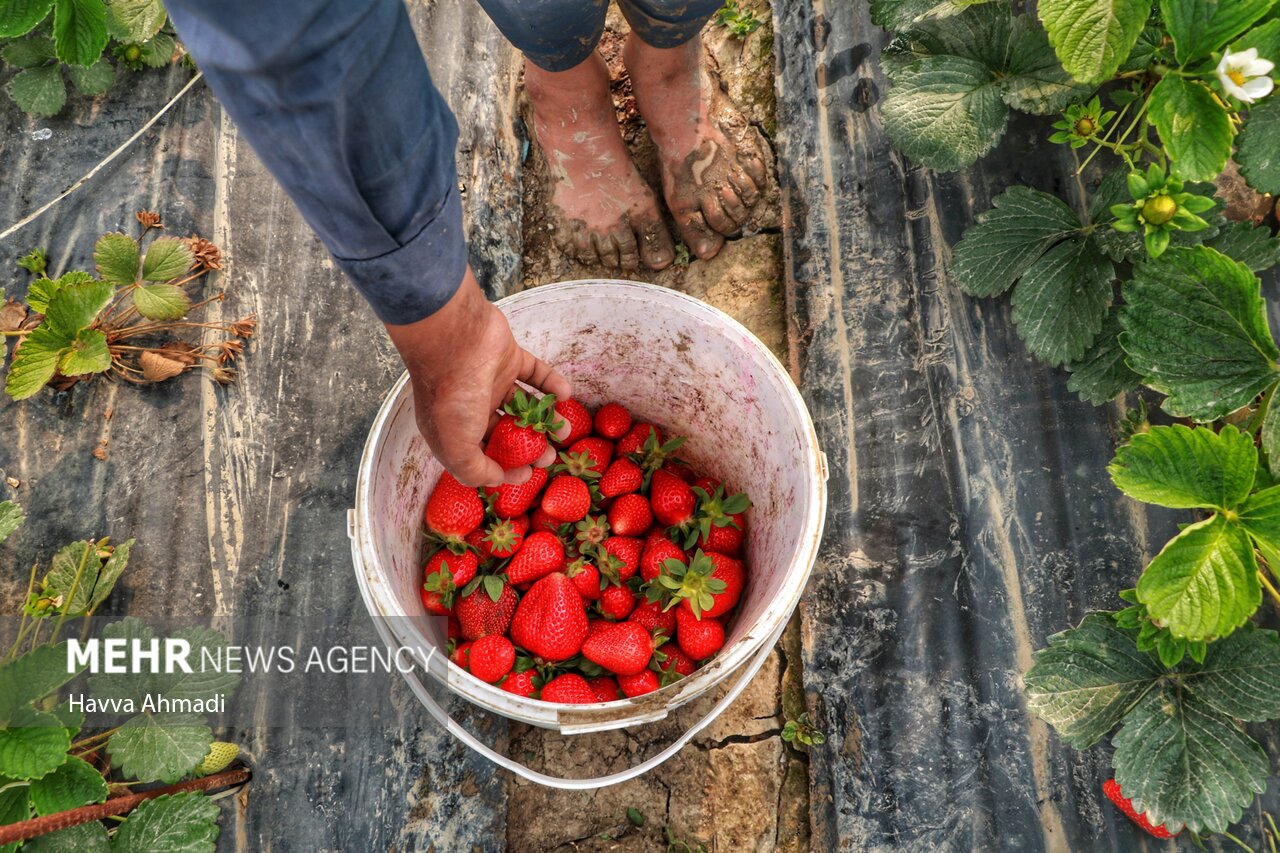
column 17, row 333
column 1260, row 416
column 1238, row 841
column 22, row 624
column 100, row 736
column 1271, row 590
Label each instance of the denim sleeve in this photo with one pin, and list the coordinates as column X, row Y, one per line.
column 335, row 98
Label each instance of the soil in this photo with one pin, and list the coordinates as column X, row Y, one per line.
column 738, row 786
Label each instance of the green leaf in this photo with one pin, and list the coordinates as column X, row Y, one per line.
column 1199, row 27
column 945, row 112
column 128, row 685
column 39, row 91
column 42, row 289
column 1183, row 763
column 110, row 573
column 75, row 306
column 1193, row 126
column 1150, row 43
column 135, row 20
column 11, row 518
column 95, row 79
column 201, row 683
column 1034, row 79
column 160, row 747
column 93, row 587
column 1240, row 676
column 1183, row 468
column 161, row 301
column 1260, row 517
column 1252, row 246
column 13, row 808
column 1195, row 329
column 898, row 15
column 18, row 17
column 157, row 52
column 1088, row 678
column 1102, row 373
column 73, row 784
column 79, row 30
column 1060, row 303
column 32, row 745
column 30, row 678
column 1021, row 226
column 88, row 837
column 29, row 52
column 71, row 719
column 1092, row 37
column 174, row 823
column 1258, row 148
column 88, row 354
column 1204, row 582
column 167, row 258
column 116, row 258
column 35, row 362
column 1265, row 38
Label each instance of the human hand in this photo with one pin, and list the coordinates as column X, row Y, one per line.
column 463, row 365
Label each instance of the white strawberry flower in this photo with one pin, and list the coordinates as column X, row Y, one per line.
column 1245, row 75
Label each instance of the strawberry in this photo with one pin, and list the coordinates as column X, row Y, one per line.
column 585, row 577
column 453, row 629
column 671, row 659
column 658, row 550
column 461, row 655
column 616, row 602
column 444, row 574
column 655, row 454
column 1112, row 789
column 672, row 500
column 621, row 477
column 520, row 683
column 594, row 624
column 598, row 453
column 625, row 552
column 492, row 657
column 629, row 515
column 541, row 554
column 707, row 484
column 502, row 538
column 623, row 648
column 698, row 638
column 644, row 681
column 567, row 498
column 633, row 441
column 569, row 689
column 541, row 522
column 651, row 615
column 591, row 533
column 724, row 540
column 612, row 421
column 551, row 620
column 453, row 510
column 577, row 417
column 681, row 469
column 605, row 687
column 717, row 512
column 511, row 500
column 480, row 614
column 520, row 436
column 709, row 585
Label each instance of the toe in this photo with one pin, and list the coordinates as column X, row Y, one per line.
column 733, row 205
column 657, row 250
column 714, row 214
column 744, row 187
column 583, row 249
column 606, row 249
column 628, row 249
column 752, row 162
column 702, row 240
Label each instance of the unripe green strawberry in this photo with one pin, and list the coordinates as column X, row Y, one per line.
column 220, row 755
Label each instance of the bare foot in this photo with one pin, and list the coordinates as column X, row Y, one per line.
column 607, row 213
column 712, row 171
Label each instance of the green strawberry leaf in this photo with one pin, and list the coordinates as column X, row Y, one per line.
column 1193, row 126
column 1271, row 441
column 1034, row 79
column 1240, row 676
column 95, row 79
column 1251, row 245
column 135, row 20
column 1150, row 44
column 1092, row 37
column 39, row 91
column 96, row 581
column 35, row 362
column 13, row 808
column 203, row 682
column 30, row 678
column 1258, row 147
column 29, row 52
column 18, row 17
column 75, row 306
column 88, row 353
column 43, row 289
column 116, row 257
column 1088, row 678
column 166, row 259
column 73, row 784
column 88, row 837
column 11, row 518
column 1101, row 373
column 79, row 30
column 174, row 823
column 1195, row 329
column 160, row 747
column 945, row 112
column 72, row 720
column 1061, row 301
column 1260, row 517
column 161, row 301
column 127, row 685
column 157, row 52
column 1021, row 226
column 1204, row 582
column 110, row 573
column 1183, row 468
column 32, row 745
column 898, row 15
column 1266, row 38
column 1199, row 27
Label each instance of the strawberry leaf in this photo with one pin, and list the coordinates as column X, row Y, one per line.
column 1183, row 468
column 88, row 353
column 161, row 301
column 11, row 518
column 166, row 259
column 79, row 30
column 1020, row 227
column 17, row 17
column 35, row 362
column 1258, row 151
column 1101, row 373
column 493, row 586
column 116, row 257
column 39, row 91
column 74, row 306
column 32, row 745
column 88, row 837
column 73, row 784
column 30, row 678
column 135, row 20
column 160, row 747
column 180, row 823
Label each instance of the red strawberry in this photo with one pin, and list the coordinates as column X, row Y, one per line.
column 577, row 417
column 541, row 522
column 1112, row 789
column 634, row 440
column 585, row 577
column 480, row 615
column 707, row 484
column 461, row 655
column 520, row 435
column 622, row 477
column 570, row 689
column 551, row 620
column 567, row 498
column 510, row 500
column 651, row 615
column 612, row 421
column 598, row 450
column 616, row 602
column 679, row 469
column 672, row 499
column 520, row 683
column 644, row 681
column 492, row 657
column 626, row 550
column 656, row 552
column 502, row 538
column 698, row 638
column 629, row 515
column 540, row 555
column 594, row 625
column 606, row 688
column 453, row 510
column 724, row 540
column 709, row 585
column 454, row 630
column 444, row 574
column 623, row 648
column 718, row 512
column 675, row 660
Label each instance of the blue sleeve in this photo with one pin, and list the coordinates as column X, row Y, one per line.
column 335, row 98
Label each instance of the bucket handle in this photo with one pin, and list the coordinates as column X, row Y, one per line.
column 592, row 783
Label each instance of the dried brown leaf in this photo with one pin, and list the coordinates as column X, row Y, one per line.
column 149, row 219
column 12, row 315
column 158, row 368
column 206, row 253
column 179, row 351
column 100, row 453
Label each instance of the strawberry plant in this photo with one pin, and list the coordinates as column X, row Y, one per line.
column 125, row 321
column 738, row 21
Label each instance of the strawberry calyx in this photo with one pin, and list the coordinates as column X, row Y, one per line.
column 652, row 455
column 502, row 538
column 591, row 532
column 610, row 566
column 456, row 545
column 536, row 413
column 580, row 465
column 693, row 581
column 493, row 586
column 441, row 583
column 715, row 509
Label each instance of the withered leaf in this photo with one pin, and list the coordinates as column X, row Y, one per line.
column 12, row 315
column 158, row 368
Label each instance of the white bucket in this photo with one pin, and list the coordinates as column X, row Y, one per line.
column 668, row 358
